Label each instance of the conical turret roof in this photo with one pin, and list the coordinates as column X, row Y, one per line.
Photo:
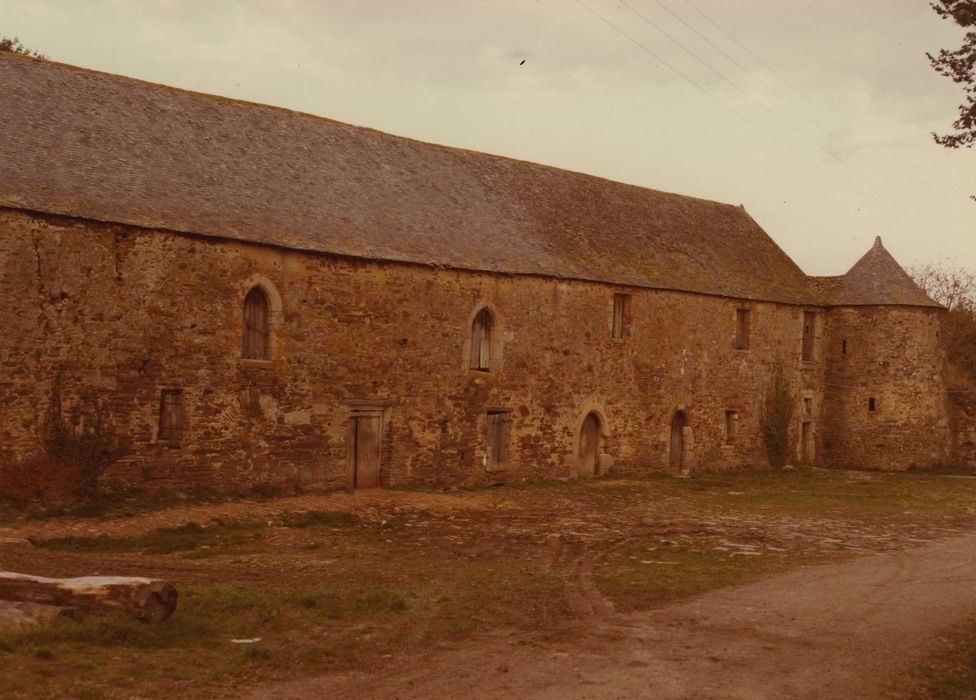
column 875, row 279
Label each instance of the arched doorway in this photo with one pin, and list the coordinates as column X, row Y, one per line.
column 589, row 445
column 482, row 329
column 677, row 452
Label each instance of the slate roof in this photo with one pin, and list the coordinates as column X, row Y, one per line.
column 104, row 147
column 874, row 279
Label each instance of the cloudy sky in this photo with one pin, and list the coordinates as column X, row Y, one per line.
column 815, row 115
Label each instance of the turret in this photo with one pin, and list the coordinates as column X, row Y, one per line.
column 885, row 392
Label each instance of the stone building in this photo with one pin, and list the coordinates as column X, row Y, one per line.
column 256, row 295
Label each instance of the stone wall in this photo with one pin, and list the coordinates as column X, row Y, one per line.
column 885, row 388
column 962, row 425
column 127, row 313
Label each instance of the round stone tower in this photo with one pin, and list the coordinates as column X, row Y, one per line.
column 885, row 394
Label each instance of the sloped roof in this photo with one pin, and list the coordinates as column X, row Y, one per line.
column 104, row 147
column 876, row 278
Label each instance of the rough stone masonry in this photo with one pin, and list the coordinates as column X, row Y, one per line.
column 256, row 296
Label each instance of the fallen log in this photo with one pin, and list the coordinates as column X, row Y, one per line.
column 146, row 599
column 18, row 615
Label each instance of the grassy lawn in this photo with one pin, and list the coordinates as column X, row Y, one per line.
column 648, row 573
column 950, row 674
column 324, row 588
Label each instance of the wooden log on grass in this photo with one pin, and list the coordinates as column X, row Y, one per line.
column 15, row 614
column 146, row 599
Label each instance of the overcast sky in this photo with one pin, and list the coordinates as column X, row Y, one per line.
column 815, row 115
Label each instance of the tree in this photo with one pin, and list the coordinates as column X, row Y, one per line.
column 954, row 288
column 960, row 66
column 14, row 46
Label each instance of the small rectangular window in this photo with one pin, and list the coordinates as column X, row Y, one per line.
column 807, row 406
column 621, row 316
column 809, row 328
column 742, row 322
column 499, row 430
column 843, row 347
column 731, row 418
column 171, row 416
column 872, row 404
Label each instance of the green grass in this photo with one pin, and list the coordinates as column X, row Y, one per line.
column 803, row 491
column 105, row 507
column 196, row 642
column 337, row 590
column 646, row 574
column 184, row 538
column 950, row 674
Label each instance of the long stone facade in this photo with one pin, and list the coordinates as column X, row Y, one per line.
column 128, row 314
column 523, row 323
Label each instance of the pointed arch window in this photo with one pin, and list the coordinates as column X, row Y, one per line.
column 482, row 329
column 256, row 337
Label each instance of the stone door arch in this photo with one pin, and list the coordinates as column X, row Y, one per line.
column 589, row 445
column 677, row 446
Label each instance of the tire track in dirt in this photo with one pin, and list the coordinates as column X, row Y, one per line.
column 830, row 632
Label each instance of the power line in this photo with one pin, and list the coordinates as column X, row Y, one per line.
column 773, row 70
column 691, row 81
column 641, row 46
column 703, row 37
column 688, row 51
column 755, row 56
column 762, row 104
column 883, row 207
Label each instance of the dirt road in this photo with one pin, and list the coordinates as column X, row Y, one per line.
column 840, row 631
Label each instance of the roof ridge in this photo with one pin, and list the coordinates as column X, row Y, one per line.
column 161, row 157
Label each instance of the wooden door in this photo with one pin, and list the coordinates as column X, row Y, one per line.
column 806, row 442
column 677, row 453
column 367, row 435
column 499, row 430
column 589, row 446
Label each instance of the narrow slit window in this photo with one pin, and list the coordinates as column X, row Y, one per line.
column 809, row 328
column 742, row 329
column 621, row 316
column 482, row 329
column 171, row 416
column 256, row 332
column 872, row 404
column 843, row 347
column 731, row 418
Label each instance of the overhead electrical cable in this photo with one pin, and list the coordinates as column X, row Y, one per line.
column 705, row 63
column 691, row 81
column 861, row 174
column 883, row 207
column 925, row 184
column 749, row 51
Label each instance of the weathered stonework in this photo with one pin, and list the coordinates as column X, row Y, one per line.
column 962, row 426
column 389, row 270
column 885, row 388
column 128, row 313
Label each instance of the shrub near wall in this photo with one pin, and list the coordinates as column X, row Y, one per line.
column 76, row 446
column 777, row 414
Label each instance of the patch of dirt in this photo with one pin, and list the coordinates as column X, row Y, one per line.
column 518, row 568
column 374, row 504
column 834, row 631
